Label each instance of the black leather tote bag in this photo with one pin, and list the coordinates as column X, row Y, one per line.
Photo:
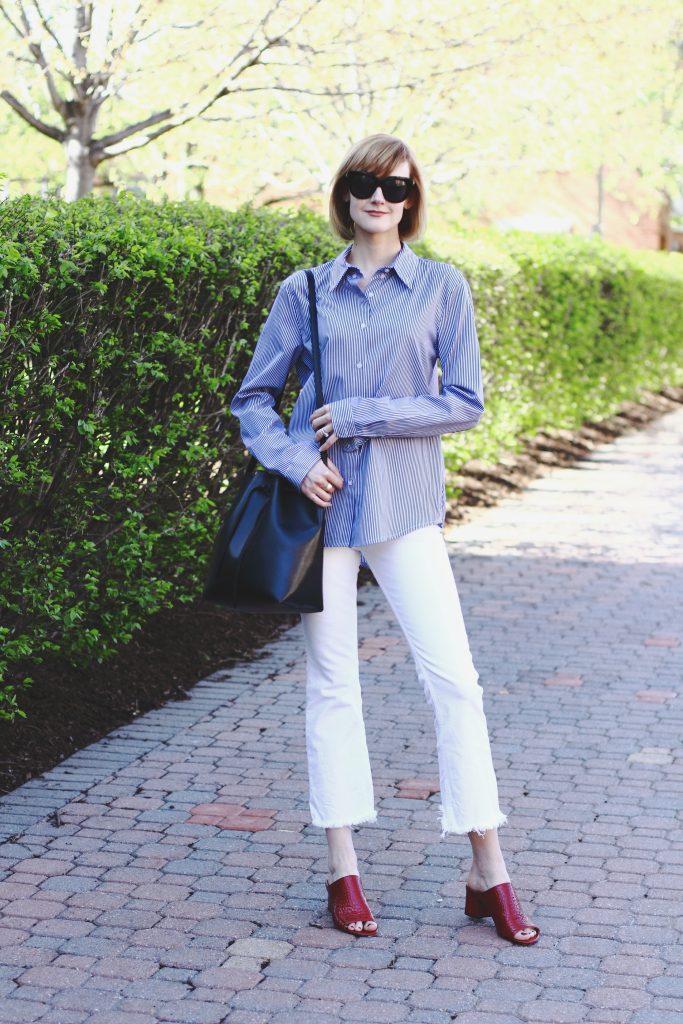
column 268, row 556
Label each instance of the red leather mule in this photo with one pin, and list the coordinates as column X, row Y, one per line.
column 501, row 903
column 346, row 902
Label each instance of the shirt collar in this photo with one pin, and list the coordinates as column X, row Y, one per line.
column 404, row 265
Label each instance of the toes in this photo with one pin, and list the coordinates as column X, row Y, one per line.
column 360, row 926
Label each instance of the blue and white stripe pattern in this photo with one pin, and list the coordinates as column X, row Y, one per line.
column 379, row 349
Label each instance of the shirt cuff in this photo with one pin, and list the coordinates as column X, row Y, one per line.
column 343, row 422
column 302, row 460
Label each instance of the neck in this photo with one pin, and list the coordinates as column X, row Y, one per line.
column 372, row 251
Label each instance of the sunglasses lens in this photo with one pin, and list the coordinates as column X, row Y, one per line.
column 395, row 189
column 361, row 185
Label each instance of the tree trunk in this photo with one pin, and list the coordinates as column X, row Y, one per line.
column 78, row 145
column 79, row 171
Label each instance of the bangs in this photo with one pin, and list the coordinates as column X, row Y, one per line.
column 378, row 157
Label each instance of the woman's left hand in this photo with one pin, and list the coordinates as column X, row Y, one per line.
column 321, row 421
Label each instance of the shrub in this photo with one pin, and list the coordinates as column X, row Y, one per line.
column 126, row 328
column 569, row 327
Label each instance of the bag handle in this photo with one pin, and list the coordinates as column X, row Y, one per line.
column 317, row 373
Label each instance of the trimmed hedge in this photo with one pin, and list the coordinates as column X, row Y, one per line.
column 128, row 326
column 570, row 328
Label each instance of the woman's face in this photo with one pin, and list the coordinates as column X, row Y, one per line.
column 376, row 215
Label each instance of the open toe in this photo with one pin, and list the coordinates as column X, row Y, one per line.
column 502, row 904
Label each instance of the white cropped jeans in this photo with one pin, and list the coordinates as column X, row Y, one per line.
column 416, row 577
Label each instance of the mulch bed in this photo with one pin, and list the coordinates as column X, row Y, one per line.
column 67, row 708
column 484, row 484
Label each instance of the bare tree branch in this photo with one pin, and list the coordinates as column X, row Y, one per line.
column 82, row 39
column 261, row 26
column 112, row 145
column 288, row 197
column 136, row 27
column 14, row 25
column 36, row 52
column 115, row 137
column 41, row 126
column 48, row 28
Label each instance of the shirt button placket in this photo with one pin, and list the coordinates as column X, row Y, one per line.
column 368, row 310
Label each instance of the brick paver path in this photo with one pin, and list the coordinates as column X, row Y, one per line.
column 169, row 873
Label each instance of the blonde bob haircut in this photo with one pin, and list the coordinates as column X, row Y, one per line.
column 378, row 154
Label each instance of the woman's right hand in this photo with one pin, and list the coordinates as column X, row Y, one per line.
column 320, row 481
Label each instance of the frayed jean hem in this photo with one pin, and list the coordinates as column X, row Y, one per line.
column 448, row 828
column 364, row 820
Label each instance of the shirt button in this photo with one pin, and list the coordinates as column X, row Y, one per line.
column 362, row 325
column 359, row 365
column 370, row 294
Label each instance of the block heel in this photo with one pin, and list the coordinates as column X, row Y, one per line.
column 502, row 904
column 473, row 907
column 347, row 904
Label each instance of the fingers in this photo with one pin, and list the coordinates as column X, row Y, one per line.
column 320, row 482
column 325, row 491
column 328, row 441
column 333, row 474
column 331, row 481
column 321, row 421
column 322, row 413
column 318, row 501
column 323, row 474
column 321, row 495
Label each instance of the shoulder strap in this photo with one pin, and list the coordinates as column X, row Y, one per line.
column 315, row 346
column 315, row 341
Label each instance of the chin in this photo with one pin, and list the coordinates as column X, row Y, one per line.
column 377, row 224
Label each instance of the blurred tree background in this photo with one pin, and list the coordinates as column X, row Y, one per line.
column 233, row 102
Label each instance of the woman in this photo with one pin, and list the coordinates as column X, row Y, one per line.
column 385, row 315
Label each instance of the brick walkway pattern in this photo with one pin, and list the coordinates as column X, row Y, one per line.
column 168, row 872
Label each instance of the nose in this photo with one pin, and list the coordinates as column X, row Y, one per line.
column 377, row 195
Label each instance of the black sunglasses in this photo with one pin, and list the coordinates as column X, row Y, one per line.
column 362, row 185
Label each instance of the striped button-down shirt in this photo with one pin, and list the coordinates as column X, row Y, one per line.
column 379, row 348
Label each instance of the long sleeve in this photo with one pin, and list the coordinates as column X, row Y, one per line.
column 262, row 430
column 460, row 403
